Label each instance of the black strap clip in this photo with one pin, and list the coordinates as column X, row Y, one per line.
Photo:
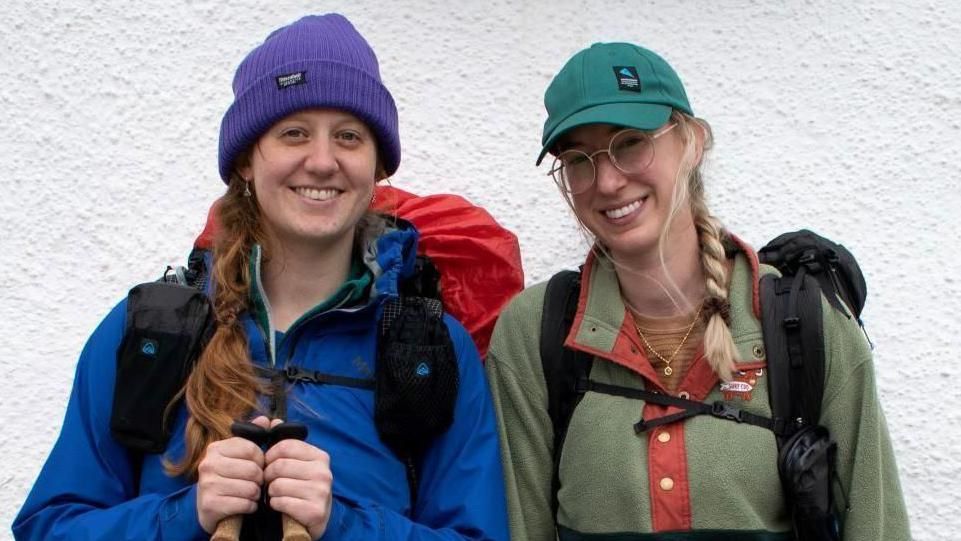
column 295, row 374
column 726, row 411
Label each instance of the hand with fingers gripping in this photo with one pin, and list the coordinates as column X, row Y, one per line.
column 299, row 482
column 229, row 479
column 296, row 473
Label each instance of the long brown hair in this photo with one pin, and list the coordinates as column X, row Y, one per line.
column 223, row 386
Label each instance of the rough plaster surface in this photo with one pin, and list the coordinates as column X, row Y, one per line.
column 841, row 117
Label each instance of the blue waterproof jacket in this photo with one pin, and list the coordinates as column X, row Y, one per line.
column 93, row 488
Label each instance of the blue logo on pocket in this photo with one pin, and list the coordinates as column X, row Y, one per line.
column 148, row 347
column 423, row 370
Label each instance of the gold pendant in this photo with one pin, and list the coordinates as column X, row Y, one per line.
column 668, row 371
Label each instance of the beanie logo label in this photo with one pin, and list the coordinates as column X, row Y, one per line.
column 627, row 78
column 291, row 79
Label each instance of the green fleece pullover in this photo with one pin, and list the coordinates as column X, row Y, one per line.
column 702, row 478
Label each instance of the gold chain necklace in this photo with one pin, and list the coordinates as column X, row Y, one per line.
column 667, row 362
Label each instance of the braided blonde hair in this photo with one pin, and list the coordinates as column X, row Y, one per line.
column 719, row 345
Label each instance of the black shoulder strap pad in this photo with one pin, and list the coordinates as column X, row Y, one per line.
column 166, row 327
column 560, row 305
column 794, row 341
column 563, row 368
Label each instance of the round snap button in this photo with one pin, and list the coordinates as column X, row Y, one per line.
column 667, row 483
column 664, row 437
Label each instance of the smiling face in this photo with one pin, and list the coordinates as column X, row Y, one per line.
column 313, row 175
column 627, row 211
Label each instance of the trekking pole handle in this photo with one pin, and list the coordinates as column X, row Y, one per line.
column 294, row 531
column 228, row 529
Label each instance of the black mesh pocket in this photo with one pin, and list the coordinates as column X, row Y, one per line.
column 417, row 381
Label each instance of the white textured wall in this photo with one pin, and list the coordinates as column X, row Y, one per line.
column 841, row 118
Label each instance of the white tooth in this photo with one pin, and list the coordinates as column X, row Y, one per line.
column 317, row 194
column 623, row 211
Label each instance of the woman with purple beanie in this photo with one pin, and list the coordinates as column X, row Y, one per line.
column 298, row 282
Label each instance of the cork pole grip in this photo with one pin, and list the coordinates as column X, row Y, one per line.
column 295, row 531
column 229, row 529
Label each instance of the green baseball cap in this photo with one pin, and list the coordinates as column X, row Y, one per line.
column 612, row 83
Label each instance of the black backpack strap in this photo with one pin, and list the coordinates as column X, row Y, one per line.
column 424, row 282
column 792, row 320
column 295, row 374
column 563, row 368
column 689, row 408
column 794, row 342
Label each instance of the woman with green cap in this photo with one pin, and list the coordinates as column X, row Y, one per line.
column 668, row 312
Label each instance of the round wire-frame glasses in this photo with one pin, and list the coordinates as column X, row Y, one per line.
column 630, row 151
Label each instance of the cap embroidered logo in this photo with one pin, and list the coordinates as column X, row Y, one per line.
column 627, row 78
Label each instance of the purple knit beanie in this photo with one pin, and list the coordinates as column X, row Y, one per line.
column 318, row 61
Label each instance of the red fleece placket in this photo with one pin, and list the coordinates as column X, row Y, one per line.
column 667, row 473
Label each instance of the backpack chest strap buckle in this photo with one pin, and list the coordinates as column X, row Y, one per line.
column 726, row 411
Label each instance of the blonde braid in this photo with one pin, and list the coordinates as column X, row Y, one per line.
column 718, row 343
